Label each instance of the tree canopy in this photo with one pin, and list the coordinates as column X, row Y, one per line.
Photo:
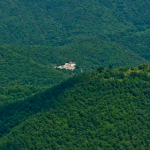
column 95, row 110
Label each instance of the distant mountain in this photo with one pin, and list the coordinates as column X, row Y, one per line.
column 87, row 54
column 53, row 22
column 138, row 42
column 19, row 70
column 103, row 109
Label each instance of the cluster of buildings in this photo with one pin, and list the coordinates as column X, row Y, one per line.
column 70, row 65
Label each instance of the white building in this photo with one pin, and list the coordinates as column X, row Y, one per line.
column 70, row 65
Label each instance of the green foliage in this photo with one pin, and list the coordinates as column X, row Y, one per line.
column 104, row 109
column 15, row 93
column 110, row 66
column 100, row 69
column 89, row 111
column 137, row 42
column 144, row 66
column 16, row 69
column 38, row 22
column 88, row 55
column 124, row 69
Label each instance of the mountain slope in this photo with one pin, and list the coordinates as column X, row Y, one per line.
column 38, row 22
column 138, row 42
column 88, row 54
column 53, row 22
column 16, row 93
column 33, row 65
column 90, row 111
column 19, row 70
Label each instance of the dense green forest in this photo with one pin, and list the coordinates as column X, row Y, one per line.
column 103, row 109
column 16, row 93
column 53, row 22
column 34, row 65
column 19, row 70
column 103, row 104
column 88, row 54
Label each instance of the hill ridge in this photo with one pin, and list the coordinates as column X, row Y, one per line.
column 107, row 103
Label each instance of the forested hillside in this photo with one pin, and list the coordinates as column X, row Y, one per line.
column 53, row 22
column 19, row 70
column 103, row 109
column 103, row 104
column 16, row 93
column 88, row 54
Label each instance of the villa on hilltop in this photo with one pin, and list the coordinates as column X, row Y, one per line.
column 70, row 65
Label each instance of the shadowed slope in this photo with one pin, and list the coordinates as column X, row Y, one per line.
column 19, row 70
column 90, row 111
